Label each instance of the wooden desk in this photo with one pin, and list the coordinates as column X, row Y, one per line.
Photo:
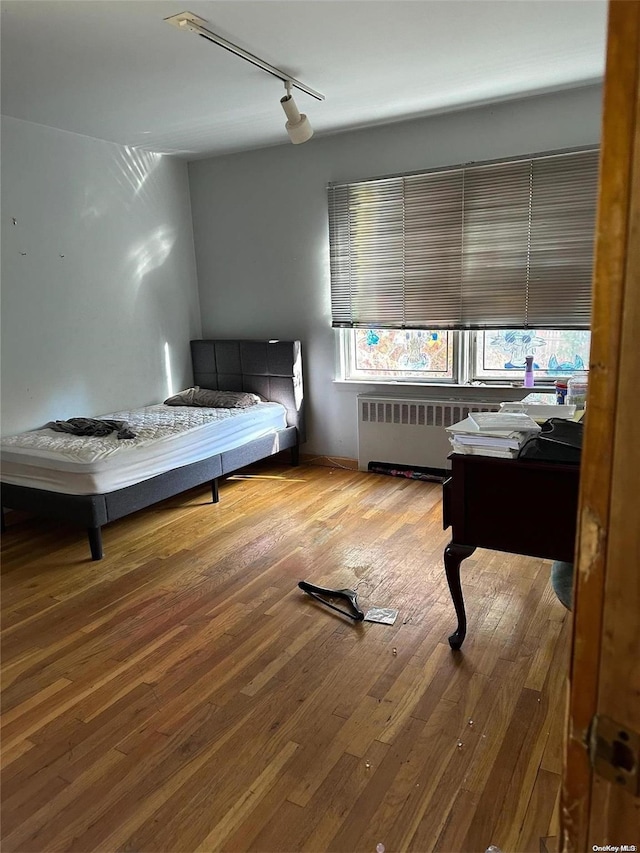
column 523, row 507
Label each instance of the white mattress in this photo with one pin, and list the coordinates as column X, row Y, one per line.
column 167, row 437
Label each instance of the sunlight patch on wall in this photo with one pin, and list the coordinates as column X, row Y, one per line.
column 130, row 169
column 152, row 252
column 95, row 203
column 138, row 166
column 167, row 369
column 297, row 382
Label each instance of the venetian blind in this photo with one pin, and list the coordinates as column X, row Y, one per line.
column 499, row 245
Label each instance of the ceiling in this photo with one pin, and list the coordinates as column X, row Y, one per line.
column 115, row 70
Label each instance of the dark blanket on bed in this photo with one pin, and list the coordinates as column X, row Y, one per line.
column 91, row 426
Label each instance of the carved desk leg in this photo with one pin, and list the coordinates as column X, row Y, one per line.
column 453, row 556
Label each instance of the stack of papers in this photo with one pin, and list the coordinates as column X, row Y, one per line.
column 492, row 433
column 540, row 412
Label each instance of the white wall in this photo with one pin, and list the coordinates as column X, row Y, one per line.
column 261, row 225
column 108, row 325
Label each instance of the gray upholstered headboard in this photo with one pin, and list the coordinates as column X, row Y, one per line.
column 270, row 368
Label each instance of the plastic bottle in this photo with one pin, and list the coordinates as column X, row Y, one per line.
column 561, row 390
column 528, row 372
column 577, row 390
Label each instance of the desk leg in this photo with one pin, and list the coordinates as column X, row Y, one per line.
column 453, row 556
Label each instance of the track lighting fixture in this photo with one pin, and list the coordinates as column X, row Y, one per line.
column 297, row 125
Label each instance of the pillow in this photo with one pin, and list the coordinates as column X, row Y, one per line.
column 213, row 399
column 182, row 398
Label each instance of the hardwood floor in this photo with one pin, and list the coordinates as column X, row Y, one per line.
column 184, row 695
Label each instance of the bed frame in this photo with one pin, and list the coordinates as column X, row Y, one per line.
column 272, row 369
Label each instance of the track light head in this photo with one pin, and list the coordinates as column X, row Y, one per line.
column 297, row 125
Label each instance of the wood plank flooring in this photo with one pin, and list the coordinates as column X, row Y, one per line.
column 184, row 695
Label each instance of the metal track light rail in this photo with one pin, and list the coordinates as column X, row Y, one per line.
column 189, row 21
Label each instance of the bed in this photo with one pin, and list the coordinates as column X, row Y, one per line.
column 93, row 490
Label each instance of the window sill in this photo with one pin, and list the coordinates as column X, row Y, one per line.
column 443, row 386
column 499, row 393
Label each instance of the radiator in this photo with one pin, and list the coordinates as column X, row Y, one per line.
column 409, row 432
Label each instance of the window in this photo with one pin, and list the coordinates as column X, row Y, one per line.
column 387, row 355
column 431, row 356
column 556, row 352
column 450, row 275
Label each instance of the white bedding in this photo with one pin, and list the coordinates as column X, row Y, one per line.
column 167, row 437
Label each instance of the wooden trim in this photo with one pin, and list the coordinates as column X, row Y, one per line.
column 612, row 284
column 615, row 812
column 329, row 461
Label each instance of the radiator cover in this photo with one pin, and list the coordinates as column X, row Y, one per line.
column 410, row 431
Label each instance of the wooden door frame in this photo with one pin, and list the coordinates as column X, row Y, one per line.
column 605, row 677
